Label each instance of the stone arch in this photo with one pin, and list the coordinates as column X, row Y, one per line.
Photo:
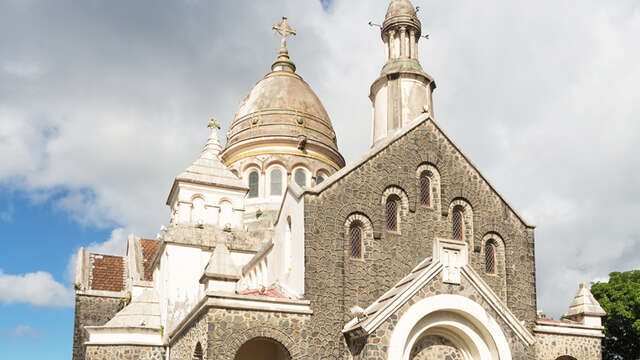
column 367, row 234
column 462, row 321
column 404, row 204
column 235, row 342
column 566, row 357
column 468, row 219
column 434, row 184
column 250, row 164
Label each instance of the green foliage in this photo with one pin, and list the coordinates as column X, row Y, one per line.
column 620, row 298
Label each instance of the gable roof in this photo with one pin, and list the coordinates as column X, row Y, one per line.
column 584, row 304
column 107, row 272
column 149, row 248
column 383, row 144
column 387, row 304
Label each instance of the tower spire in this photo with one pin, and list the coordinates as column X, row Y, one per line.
column 213, row 147
column 403, row 90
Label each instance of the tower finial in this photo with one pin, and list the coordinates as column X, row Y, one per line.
column 213, row 147
column 284, row 30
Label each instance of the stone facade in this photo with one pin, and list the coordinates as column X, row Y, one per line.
column 553, row 346
column 230, row 329
column 338, row 283
column 183, row 345
column 125, row 352
column 91, row 311
column 435, row 347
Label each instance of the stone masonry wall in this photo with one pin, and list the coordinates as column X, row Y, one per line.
column 334, row 282
column 552, row 346
column 230, row 329
column 125, row 352
column 183, row 347
column 377, row 343
column 90, row 311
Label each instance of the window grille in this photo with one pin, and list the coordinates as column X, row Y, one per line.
column 456, row 219
column 276, row 182
column 253, row 184
column 392, row 212
column 197, row 353
column 355, row 234
column 490, row 258
column 300, row 177
column 425, row 190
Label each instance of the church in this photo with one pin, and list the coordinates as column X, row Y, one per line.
column 275, row 249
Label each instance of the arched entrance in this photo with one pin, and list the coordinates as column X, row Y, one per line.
column 448, row 326
column 262, row 349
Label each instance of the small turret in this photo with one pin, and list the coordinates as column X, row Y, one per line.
column 403, row 91
column 585, row 309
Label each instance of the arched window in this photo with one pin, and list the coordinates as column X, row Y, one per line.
column 319, row 179
column 254, row 179
column 425, row 189
column 355, row 236
column 457, row 223
column 197, row 353
column 490, row 257
column 276, row 181
column 393, row 202
column 300, row 177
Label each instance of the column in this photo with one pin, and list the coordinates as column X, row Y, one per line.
column 392, row 44
column 412, row 44
column 403, row 41
column 386, row 48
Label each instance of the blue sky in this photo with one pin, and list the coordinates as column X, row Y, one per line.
column 103, row 103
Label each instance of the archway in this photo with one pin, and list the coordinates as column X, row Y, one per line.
column 262, row 349
column 448, row 324
column 566, row 357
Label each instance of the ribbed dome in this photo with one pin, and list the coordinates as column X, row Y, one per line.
column 401, row 13
column 282, row 105
column 400, row 7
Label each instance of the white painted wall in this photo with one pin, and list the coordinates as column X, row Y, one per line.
column 286, row 259
column 195, row 203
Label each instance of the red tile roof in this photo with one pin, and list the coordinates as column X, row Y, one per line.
column 549, row 320
column 149, row 248
column 268, row 292
column 107, row 273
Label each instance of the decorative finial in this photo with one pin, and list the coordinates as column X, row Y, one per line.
column 213, row 123
column 284, row 30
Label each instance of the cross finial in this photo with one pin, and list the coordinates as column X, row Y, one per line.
column 284, row 30
column 213, row 123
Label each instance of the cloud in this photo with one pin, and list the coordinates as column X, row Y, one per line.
column 7, row 214
column 541, row 96
column 22, row 331
column 36, row 288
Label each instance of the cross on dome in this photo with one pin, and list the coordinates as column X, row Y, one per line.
column 284, row 30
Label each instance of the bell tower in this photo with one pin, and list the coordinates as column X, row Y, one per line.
column 403, row 90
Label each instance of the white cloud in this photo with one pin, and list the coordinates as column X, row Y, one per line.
column 36, row 288
column 22, row 331
column 7, row 214
column 541, row 95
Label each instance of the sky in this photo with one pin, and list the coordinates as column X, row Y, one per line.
column 102, row 104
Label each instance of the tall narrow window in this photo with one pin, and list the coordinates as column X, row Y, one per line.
column 392, row 212
column 319, row 179
column 197, row 353
column 490, row 258
column 456, row 220
column 425, row 189
column 276, row 181
column 300, row 177
column 253, row 184
column 355, row 235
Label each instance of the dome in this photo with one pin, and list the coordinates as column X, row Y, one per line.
column 401, row 13
column 282, row 105
column 400, row 7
